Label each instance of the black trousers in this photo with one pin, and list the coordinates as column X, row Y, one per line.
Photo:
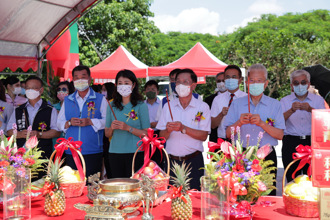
column 196, row 163
column 106, row 146
column 289, row 147
column 93, row 163
column 121, row 164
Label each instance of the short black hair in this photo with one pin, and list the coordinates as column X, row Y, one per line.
column 221, row 73
column 11, row 80
column 81, row 67
column 150, row 83
column 234, row 67
column 175, row 71
column 35, row 78
column 110, row 87
column 68, row 84
column 193, row 75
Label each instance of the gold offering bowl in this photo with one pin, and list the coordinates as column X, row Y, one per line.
column 121, row 193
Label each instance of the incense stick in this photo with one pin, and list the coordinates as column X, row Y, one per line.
column 112, row 110
column 169, row 107
column 249, row 93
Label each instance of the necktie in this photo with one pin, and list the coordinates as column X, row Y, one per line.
column 231, row 99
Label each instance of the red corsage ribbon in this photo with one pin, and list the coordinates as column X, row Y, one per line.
column 63, row 144
column 154, row 141
column 304, row 153
column 213, row 147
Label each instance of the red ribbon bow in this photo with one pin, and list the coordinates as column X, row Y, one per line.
column 304, row 153
column 63, row 144
column 214, row 146
column 49, row 189
column 156, row 143
column 175, row 192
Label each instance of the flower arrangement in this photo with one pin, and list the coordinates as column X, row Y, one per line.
column 2, row 109
column 12, row 157
column 42, row 126
column 245, row 173
column 270, row 121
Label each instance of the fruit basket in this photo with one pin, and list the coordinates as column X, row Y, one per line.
column 298, row 205
column 73, row 189
column 161, row 179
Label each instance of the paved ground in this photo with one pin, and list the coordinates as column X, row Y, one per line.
column 280, row 169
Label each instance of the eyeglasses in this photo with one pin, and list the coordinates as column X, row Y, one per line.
column 186, row 83
column 296, row 83
column 62, row 89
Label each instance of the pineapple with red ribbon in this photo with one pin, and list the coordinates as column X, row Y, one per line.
column 181, row 207
column 54, row 195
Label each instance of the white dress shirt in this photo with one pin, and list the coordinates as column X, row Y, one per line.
column 220, row 101
column 300, row 122
column 98, row 124
column 153, row 108
column 179, row 144
column 32, row 112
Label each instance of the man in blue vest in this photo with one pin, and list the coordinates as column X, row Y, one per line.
column 82, row 117
column 37, row 113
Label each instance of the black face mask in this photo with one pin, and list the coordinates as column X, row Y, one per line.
column 151, row 95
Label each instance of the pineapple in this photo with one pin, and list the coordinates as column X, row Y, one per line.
column 54, row 200
column 181, row 208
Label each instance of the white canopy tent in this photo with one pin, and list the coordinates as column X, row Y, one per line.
column 27, row 27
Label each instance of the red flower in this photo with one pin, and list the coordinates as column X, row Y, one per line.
column 238, row 168
column 221, row 161
column 21, row 151
column 4, row 163
column 256, row 167
column 255, row 161
column 30, row 161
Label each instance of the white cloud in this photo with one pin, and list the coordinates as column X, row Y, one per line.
column 199, row 20
column 245, row 21
column 265, row 7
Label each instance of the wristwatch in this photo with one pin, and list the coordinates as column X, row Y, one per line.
column 130, row 130
column 184, row 131
column 69, row 122
column 40, row 134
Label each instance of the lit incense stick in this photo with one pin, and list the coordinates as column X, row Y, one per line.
column 249, row 93
column 169, row 107
column 112, row 110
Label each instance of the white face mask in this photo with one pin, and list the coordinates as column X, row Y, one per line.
column 221, row 87
column 32, row 94
column 81, row 84
column 17, row 90
column 182, row 90
column 124, row 90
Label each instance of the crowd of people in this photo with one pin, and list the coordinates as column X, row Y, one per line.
column 111, row 119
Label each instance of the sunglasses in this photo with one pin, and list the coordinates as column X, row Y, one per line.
column 62, row 89
column 296, row 83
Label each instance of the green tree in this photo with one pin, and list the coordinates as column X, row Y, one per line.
column 114, row 23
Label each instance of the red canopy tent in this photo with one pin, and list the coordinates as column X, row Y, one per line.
column 118, row 60
column 198, row 58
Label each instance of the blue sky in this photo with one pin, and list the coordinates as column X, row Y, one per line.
column 219, row 16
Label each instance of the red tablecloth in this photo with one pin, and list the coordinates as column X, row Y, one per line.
column 163, row 211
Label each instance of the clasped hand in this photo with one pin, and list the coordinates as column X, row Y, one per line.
column 120, row 125
column 81, row 122
column 174, row 126
column 300, row 106
column 248, row 118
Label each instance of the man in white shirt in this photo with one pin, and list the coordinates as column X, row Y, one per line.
column 189, row 127
column 221, row 103
column 297, row 109
column 82, row 116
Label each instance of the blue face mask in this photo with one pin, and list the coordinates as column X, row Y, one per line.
column 231, row 84
column 22, row 91
column 300, row 90
column 256, row 88
column 173, row 87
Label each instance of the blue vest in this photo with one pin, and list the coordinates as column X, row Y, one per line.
column 92, row 142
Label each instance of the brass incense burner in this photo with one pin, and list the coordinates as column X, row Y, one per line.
column 120, row 193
